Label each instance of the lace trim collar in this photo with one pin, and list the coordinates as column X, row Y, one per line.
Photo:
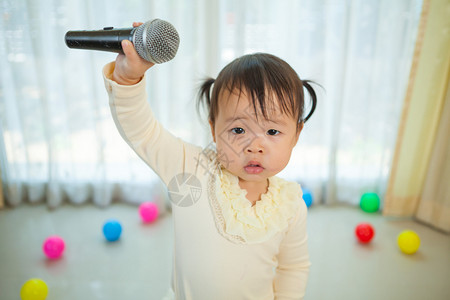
column 240, row 222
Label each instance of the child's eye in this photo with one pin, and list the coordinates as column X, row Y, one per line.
column 238, row 130
column 272, row 132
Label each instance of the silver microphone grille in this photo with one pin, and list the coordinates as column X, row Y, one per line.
column 156, row 41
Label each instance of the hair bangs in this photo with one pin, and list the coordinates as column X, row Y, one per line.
column 271, row 83
column 262, row 81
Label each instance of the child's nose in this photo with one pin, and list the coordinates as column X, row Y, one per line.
column 254, row 146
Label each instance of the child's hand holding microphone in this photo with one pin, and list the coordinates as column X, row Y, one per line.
column 130, row 67
column 139, row 47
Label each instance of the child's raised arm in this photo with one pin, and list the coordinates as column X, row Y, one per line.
column 166, row 154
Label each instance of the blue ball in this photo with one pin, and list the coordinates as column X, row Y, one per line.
column 307, row 196
column 112, row 230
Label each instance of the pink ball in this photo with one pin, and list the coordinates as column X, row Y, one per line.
column 148, row 211
column 53, row 247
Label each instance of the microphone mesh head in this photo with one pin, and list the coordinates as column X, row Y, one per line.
column 156, row 41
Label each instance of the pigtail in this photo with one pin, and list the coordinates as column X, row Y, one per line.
column 312, row 93
column 204, row 95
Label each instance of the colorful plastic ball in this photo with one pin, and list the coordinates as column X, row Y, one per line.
column 364, row 232
column 308, row 197
column 53, row 247
column 34, row 289
column 112, row 230
column 408, row 241
column 148, row 211
column 370, row 202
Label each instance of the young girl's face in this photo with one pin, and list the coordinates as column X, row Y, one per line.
column 249, row 147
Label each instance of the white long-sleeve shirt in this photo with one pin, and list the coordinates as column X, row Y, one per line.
column 225, row 248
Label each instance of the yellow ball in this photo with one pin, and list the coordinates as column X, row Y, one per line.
column 34, row 289
column 408, row 241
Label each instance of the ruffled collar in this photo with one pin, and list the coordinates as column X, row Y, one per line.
column 241, row 222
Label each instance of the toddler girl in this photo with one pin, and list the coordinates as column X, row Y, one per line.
column 240, row 231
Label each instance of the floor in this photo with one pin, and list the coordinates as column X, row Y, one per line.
column 138, row 266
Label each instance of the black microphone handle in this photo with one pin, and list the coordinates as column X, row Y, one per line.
column 108, row 39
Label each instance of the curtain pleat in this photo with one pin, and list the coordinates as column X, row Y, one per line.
column 434, row 205
column 422, row 113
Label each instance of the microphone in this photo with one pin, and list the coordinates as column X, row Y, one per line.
column 155, row 41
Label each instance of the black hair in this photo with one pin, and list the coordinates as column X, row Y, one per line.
column 263, row 77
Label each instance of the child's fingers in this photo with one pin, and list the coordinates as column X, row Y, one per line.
column 128, row 50
column 136, row 24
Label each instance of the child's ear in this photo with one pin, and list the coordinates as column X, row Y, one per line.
column 212, row 130
column 299, row 129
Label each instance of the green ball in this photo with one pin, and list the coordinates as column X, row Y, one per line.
column 370, row 202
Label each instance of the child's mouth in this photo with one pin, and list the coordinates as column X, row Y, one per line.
column 253, row 168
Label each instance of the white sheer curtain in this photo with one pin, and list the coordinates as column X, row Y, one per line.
column 58, row 142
